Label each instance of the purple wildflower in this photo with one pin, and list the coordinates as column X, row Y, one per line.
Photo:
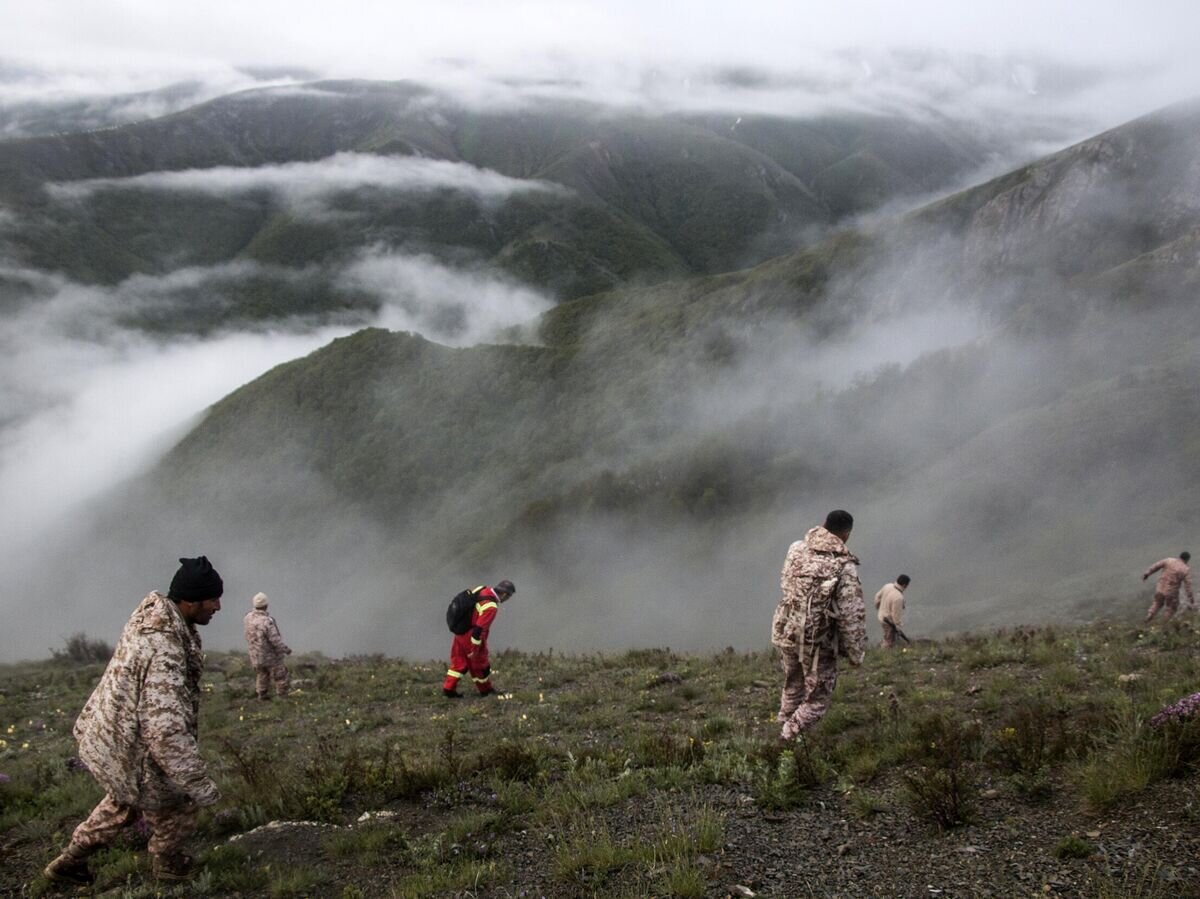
column 4, row 778
column 1185, row 708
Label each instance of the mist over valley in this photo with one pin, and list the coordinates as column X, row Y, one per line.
column 363, row 341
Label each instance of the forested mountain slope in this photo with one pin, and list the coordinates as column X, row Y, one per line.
column 596, row 197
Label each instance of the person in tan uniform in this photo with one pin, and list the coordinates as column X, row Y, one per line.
column 1175, row 574
column 890, row 603
column 138, row 731
column 267, row 649
column 820, row 617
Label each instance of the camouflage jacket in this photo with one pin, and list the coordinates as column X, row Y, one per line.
column 1175, row 574
column 822, row 598
column 267, row 648
column 137, row 732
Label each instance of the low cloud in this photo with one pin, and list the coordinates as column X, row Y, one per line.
column 307, row 185
column 451, row 305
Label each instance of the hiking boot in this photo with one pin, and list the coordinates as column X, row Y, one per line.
column 487, row 691
column 68, row 869
column 264, row 698
column 451, row 694
column 173, row 867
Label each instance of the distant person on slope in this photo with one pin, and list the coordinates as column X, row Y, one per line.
column 820, row 617
column 890, row 603
column 267, row 649
column 469, row 651
column 137, row 732
column 1175, row 574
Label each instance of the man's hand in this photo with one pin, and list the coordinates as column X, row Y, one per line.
column 1146, row 575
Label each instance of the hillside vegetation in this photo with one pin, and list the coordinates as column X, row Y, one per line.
column 1012, row 764
column 1055, row 438
column 643, row 197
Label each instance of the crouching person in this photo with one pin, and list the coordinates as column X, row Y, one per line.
column 267, row 650
column 137, row 733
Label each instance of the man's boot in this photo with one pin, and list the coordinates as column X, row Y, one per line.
column 451, row 694
column 71, row 869
column 173, row 867
column 487, row 691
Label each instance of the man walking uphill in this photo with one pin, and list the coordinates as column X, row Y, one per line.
column 267, row 649
column 820, row 617
column 137, row 732
column 1175, row 574
column 469, row 651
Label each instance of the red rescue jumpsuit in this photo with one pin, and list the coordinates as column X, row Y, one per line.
column 469, row 651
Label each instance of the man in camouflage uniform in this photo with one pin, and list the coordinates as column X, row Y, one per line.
column 137, row 732
column 820, row 617
column 1175, row 574
column 267, row 649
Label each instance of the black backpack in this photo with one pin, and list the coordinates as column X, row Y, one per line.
column 458, row 613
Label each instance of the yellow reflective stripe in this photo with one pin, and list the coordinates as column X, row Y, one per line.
column 476, row 642
column 481, row 680
column 481, row 607
column 453, row 673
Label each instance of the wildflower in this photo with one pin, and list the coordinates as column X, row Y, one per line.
column 4, row 778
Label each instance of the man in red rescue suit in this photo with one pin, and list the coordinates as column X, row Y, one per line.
column 469, row 651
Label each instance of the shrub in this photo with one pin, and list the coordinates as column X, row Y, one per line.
column 1074, row 847
column 941, row 789
column 511, row 761
column 81, row 649
column 941, row 795
column 1133, row 755
column 783, row 781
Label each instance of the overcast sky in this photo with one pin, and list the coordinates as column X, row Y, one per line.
column 380, row 36
column 143, row 41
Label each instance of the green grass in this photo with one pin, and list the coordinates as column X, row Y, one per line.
column 612, row 796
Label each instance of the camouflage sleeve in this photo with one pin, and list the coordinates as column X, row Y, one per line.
column 1187, row 585
column 790, row 564
column 1153, row 568
column 852, row 616
column 276, row 639
column 163, row 722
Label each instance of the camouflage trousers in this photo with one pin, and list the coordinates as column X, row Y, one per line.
column 169, row 827
column 889, row 635
column 266, row 675
column 1167, row 602
column 809, row 676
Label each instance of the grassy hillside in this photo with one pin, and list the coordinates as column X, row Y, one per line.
column 1012, row 764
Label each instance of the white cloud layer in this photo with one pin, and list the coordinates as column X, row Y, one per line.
column 306, row 184
column 984, row 56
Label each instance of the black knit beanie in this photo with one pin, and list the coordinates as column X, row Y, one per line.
column 195, row 580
